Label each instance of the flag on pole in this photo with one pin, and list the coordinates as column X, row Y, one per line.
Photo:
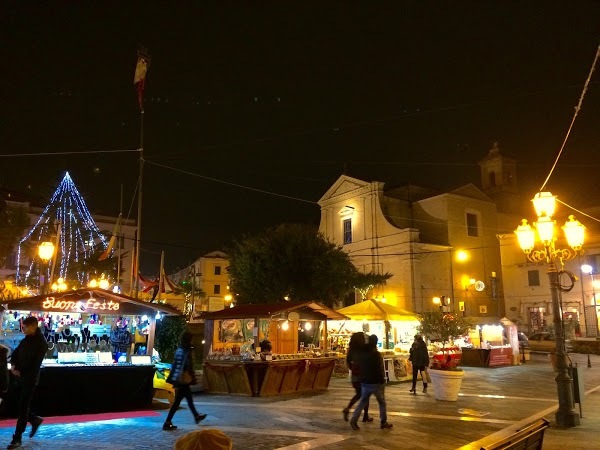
column 167, row 286
column 146, row 285
column 139, row 78
column 113, row 240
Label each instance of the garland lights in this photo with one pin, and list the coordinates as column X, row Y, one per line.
column 79, row 234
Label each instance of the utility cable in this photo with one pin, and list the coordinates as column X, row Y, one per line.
column 577, row 210
column 577, row 108
column 262, row 191
column 91, row 152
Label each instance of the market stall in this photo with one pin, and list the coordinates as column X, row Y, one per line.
column 268, row 349
column 91, row 365
column 394, row 327
column 493, row 342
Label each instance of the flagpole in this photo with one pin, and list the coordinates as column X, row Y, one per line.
column 133, row 266
column 161, row 277
column 119, row 241
column 139, row 210
column 139, row 80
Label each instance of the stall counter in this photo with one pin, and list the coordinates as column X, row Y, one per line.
column 69, row 389
column 484, row 357
column 268, row 378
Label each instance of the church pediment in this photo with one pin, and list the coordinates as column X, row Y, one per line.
column 471, row 191
column 344, row 185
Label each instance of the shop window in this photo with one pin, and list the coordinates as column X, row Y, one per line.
column 347, row 231
column 217, row 270
column 472, row 225
column 217, row 289
column 537, row 319
column 534, row 277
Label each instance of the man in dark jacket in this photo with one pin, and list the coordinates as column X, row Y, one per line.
column 25, row 361
column 372, row 382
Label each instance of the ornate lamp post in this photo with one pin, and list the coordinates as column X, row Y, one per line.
column 545, row 205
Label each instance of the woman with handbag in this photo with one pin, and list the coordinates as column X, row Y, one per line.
column 419, row 357
column 181, row 377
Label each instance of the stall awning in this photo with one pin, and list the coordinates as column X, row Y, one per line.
column 375, row 310
column 270, row 310
column 90, row 301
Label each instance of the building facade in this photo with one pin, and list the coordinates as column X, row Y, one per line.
column 210, row 275
column 460, row 245
column 434, row 244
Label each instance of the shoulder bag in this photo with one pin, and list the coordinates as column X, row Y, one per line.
column 185, row 377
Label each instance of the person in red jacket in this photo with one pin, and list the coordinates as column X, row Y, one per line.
column 26, row 361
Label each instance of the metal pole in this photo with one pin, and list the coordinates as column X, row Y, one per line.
column 566, row 416
column 595, row 306
column 585, row 321
column 139, row 209
column 54, row 256
column 193, row 289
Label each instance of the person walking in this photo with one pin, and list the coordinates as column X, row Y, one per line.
column 26, row 361
column 372, row 377
column 355, row 349
column 182, row 376
column 419, row 357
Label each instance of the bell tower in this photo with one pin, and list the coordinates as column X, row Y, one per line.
column 499, row 179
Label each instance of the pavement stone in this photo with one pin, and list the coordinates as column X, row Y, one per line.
column 491, row 400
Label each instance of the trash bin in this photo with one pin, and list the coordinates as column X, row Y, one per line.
column 578, row 388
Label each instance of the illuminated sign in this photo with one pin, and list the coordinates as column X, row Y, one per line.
column 92, row 303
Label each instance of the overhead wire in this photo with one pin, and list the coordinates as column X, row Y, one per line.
column 216, row 180
column 577, row 109
column 89, row 152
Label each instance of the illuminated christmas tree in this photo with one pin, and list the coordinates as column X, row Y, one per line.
column 67, row 222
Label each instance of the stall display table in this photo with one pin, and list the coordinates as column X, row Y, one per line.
column 267, row 378
column 483, row 357
column 87, row 389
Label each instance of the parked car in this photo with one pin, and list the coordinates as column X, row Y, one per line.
column 545, row 342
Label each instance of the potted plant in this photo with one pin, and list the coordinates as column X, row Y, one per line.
column 446, row 376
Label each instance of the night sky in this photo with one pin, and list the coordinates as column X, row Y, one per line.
column 285, row 97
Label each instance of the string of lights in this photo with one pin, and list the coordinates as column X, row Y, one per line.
column 79, row 234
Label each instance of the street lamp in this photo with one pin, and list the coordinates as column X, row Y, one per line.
column 545, row 229
column 442, row 302
column 59, row 286
column 45, row 252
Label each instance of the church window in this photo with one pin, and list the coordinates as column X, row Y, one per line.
column 347, row 231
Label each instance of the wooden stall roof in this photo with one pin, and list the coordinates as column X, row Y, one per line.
column 88, row 300
column 268, row 310
column 375, row 310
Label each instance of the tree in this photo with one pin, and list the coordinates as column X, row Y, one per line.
column 293, row 261
column 13, row 222
column 168, row 333
column 185, row 287
column 438, row 325
column 364, row 282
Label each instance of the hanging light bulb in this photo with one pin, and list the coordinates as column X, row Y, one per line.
column 308, row 326
column 285, row 326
